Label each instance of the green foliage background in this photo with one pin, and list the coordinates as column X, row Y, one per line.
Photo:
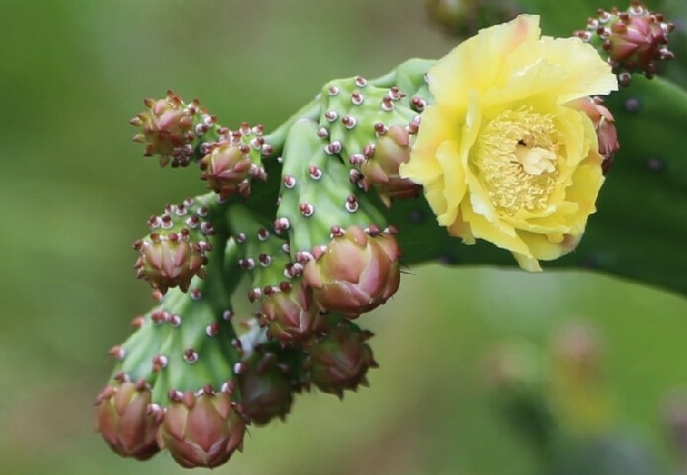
column 76, row 193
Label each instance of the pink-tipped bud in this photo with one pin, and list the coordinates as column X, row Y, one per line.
column 635, row 40
column 604, row 124
column 356, row 272
column 202, row 431
column 381, row 170
column 167, row 129
column 124, row 419
column 227, row 169
column 341, row 359
column 169, row 261
column 290, row 315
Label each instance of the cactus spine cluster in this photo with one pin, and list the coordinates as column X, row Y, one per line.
column 303, row 214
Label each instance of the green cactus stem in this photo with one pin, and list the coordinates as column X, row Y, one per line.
column 187, row 341
column 263, row 254
column 371, row 127
column 317, row 192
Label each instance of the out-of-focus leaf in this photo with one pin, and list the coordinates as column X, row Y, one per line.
column 604, row 456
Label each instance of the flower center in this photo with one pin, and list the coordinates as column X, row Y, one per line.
column 515, row 156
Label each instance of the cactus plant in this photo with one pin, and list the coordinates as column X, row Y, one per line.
column 321, row 215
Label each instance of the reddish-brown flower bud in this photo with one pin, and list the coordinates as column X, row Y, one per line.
column 637, row 41
column 290, row 315
column 126, row 420
column 265, row 389
column 604, row 124
column 169, row 260
column 167, row 129
column 201, row 431
column 381, row 170
column 227, row 169
column 341, row 359
column 355, row 273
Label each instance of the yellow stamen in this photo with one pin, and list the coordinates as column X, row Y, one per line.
column 515, row 156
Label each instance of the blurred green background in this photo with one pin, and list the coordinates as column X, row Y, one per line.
column 76, row 193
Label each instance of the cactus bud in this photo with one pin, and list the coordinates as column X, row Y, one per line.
column 125, row 420
column 341, row 359
column 171, row 129
column 357, row 272
column 203, row 430
column 175, row 249
column 234, row 159
column 265, row 389
column 634, row 40
column 604, row 124
column 290, row 315
column 169, row 260
column 227, row 169
column 381, row 169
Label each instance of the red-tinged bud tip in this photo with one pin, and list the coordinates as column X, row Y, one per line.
column 166, row 262
column 227, row 169
column 604, row 124
column 635, row 40
column 167, row 129
column 356, row 273
column 202, row 431
column 381, row 170
column 124, row 419
column 290, row 315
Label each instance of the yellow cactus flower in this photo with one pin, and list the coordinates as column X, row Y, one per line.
column 504, row 154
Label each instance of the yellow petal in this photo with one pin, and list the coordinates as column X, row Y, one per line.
column 528, row 263
column 544, row 248
column 454, row 180
column 493, row 232
column 434, row 193
column 437, row 126
column 477, row 62
column 461, row 229
column 563, row 68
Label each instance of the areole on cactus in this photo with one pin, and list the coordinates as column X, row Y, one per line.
column 305, row 215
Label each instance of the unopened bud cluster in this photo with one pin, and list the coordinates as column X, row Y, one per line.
column 189, row 380
column 633, row 41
